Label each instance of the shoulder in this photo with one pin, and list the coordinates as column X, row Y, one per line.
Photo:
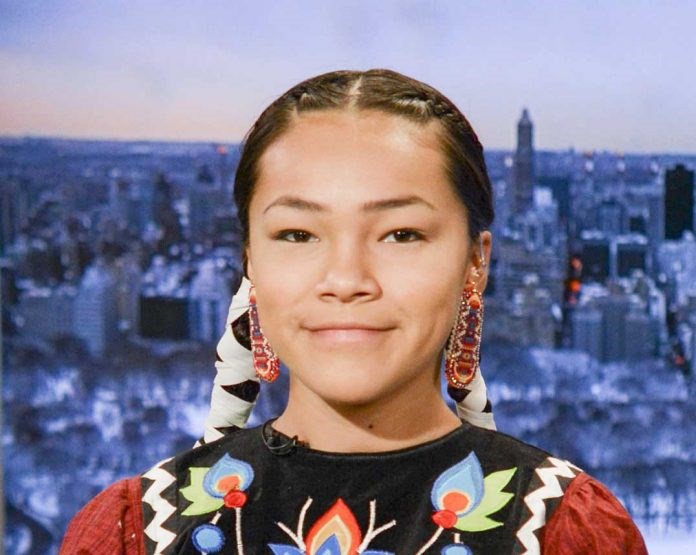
column 110, row 523
column 161, row 484
column 564, row 510
column 498, row 445
column 243, row 441
column 234, row 440
column 590, row 519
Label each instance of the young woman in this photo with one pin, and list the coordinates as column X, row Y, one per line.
column 365, row 205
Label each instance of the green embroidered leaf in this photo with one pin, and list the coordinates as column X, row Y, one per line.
column 476, row 523
column 493, row 500
column 202, row 503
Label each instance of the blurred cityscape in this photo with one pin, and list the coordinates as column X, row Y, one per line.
column 119, row 260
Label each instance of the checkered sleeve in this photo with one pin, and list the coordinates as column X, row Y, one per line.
column 590, row 519
column 111, row 523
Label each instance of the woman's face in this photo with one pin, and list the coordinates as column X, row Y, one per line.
column 359, row 251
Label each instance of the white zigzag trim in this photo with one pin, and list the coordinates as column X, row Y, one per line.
column 162, row 508
column 535, row 500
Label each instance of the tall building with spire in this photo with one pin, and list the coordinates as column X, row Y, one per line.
column 523, row 175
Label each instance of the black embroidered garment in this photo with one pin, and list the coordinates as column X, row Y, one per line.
column 471, row 491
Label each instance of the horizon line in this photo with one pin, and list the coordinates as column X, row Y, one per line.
column 81, row 138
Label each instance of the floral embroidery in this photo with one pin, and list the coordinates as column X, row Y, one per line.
column 337, row 532
column 210, row 487
column 223, row 484
column 208, row 538
column 464, row 499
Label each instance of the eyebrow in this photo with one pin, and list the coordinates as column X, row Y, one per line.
column 299, row 203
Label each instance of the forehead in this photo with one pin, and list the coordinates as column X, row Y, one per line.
column 369, row 151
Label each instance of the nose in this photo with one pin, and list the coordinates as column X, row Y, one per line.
column 348, row 274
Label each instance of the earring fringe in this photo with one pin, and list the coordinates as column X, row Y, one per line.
column 463, row 349
column 266, row 363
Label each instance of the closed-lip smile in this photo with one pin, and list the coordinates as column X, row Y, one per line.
column 347, row 332
column 346, row 326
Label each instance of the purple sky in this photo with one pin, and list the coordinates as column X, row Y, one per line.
column 594, row 75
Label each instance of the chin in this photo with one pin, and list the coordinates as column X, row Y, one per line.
column 348, row 387
column 352, row 398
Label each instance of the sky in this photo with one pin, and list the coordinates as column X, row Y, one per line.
column 614, row 75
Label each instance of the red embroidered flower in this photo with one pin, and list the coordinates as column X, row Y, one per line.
column 445, row 518
column 235, row 499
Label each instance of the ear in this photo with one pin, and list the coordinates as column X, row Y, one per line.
column 480, row 260
column 248, row 268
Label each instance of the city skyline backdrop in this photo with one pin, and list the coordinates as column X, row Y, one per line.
column 594, row 76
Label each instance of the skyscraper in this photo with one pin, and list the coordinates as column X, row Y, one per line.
column 639, row 336
column 47, row 313
column 588, row 331
column 679, row 202
column 14, row 211
column 523, row 186
column 205, row 198
column 629, row 253
column 209, row 301
column 614, row 327
column 595, row 254
column 96, row 308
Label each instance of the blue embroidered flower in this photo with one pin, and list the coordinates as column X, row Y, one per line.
column 208, row 538
column 464, row 499
column 459, row 489
column 227, row 474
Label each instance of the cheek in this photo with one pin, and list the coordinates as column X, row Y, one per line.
column 279, row 292
column 433, row 280
column 269, row 270
column 426, row 303
column 434, row 313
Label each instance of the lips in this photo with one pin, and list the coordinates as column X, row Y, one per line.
column 347, row 326
column 347, row 332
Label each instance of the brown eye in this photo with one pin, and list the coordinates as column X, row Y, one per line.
column 404, row 236
column 294, row 236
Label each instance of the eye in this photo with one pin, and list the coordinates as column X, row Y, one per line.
column 404, row 236
column 294, row 236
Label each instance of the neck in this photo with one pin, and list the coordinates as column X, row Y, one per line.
column 412, row 415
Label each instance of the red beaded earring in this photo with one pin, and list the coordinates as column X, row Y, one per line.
column 463, row 350
column 266, row 363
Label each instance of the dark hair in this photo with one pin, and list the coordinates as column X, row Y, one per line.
column 376, row 89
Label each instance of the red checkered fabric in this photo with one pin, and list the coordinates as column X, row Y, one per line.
column 590, row 519
column 109, row 524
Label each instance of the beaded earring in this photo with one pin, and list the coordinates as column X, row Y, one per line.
column 266, row 363
column 463, row 349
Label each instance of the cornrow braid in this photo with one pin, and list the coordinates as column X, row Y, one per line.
column 461, row 146
column 446, row 111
